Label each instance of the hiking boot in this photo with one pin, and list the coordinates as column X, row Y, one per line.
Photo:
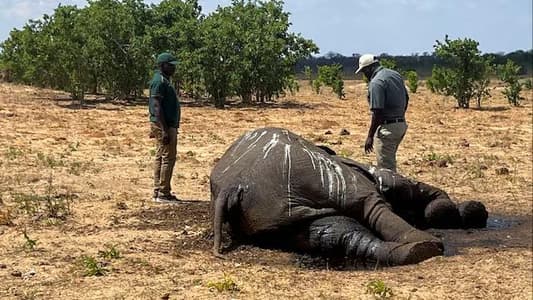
column 170, row 198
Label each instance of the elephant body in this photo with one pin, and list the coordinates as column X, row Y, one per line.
column 273, row 183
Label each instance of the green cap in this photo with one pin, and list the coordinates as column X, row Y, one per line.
column 166, row 57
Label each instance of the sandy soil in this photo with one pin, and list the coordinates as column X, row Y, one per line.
column 98, row 161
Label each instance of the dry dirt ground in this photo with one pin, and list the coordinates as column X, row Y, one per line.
column 75, row 188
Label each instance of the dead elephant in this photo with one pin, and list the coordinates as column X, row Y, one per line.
column 271, row 185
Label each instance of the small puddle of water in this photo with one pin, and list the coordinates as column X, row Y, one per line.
column 500, row 222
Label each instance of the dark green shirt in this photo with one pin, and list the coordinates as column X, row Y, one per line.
column 161, row 87
column 387, row 92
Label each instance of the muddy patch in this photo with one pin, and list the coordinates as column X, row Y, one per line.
column 501, row 232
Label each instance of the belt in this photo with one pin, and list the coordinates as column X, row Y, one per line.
column 393, row 121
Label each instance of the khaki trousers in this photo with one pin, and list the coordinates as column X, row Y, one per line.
column 386, row 141
column 165, row 159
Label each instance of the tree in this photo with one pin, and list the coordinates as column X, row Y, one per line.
column 248, row 51
column 175, row 26
column 217, row 55
column 508, row 73
column 463, row 71
column 388, row 63
column 109, row 46
column 115, row 49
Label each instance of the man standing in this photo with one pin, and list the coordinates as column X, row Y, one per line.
column 388, row 100
column 164, row 109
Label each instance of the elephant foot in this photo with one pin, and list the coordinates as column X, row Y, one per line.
column 442, row 213
column 473, row 214
column 394, row 254
column 417, row 236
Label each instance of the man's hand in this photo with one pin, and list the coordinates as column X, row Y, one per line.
column 369, row 144
column 164, row 137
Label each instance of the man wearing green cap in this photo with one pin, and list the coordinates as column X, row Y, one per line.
column 164, row 109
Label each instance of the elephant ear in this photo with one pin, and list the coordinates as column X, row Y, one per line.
column 473, row 214
column 327, row 149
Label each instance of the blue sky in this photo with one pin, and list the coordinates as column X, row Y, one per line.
column 366, row 26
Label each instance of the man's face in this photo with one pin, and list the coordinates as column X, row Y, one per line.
column 368, row 72
column 168, row 69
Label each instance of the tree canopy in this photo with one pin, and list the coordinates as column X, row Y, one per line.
column 244, row 49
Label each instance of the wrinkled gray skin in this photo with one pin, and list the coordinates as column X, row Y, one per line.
column 274, row 186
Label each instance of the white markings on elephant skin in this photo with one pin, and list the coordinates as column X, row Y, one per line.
column 336, row 183
column 287, row 163
column 271, row 144
column 249, row 136
column 331, row 174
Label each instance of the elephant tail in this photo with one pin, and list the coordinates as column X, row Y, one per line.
column 218, row 220
column 225, row 200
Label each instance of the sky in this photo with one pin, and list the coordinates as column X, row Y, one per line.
column 396, row 27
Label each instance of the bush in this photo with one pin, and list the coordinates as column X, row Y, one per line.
column 528, row 84
column 330, row 76
column 226, row 284
column 308, row 74
column 464, row 72
column 508, row 73
column 412, row 81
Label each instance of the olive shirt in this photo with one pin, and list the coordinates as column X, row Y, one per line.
column 387, row 92
column 161, row 87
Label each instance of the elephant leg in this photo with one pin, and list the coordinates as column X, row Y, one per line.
column 390, row 226
column 344, row 236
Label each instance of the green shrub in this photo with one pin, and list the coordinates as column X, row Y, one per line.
column 110, row 253
column 29, row 244
column 528, row 84
column 379, row 289
column 412, row 81
column 330, row 76
column 508, row 73
column 226, row 284
column 463, row 71
column 92, row 267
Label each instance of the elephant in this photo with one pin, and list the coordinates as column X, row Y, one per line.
column 273, row 186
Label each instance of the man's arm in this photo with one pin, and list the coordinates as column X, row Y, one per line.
column 377, row 119
column 376, row 94
column 159, row 113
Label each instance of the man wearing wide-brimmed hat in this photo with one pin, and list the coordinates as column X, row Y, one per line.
column 388, row 101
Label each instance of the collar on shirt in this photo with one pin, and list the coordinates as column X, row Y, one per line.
column 163, row 76
column 376, row 71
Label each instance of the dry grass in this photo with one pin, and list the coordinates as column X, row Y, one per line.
column 94, row 166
